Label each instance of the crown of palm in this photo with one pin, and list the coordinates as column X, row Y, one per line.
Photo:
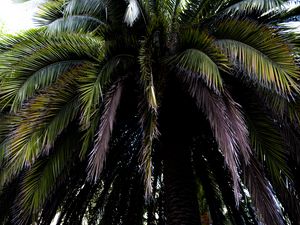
column 93, row 78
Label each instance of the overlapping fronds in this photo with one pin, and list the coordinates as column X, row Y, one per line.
column 39, row 62
column 42, row 178
column 269, row 145
column 193, row 8
column 82, row 99
column 199, row 57
column 262, row 56
column 199, row 10
column 39, row 122
column 228, row 127
column 72, row 16
column 49, row 12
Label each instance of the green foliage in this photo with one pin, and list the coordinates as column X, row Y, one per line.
column 87, row 98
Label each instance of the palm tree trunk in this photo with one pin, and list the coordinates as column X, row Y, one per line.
column 178, row 119
column 181, row 197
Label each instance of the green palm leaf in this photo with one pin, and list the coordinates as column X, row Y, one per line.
column 254, row 52
column 34, row 56
column 42, row 121
column 200, row 57
column 40, row 181
column 196, row 62
column 82, row 99
column 49, row 12
column 75, row 23
column 247, row 6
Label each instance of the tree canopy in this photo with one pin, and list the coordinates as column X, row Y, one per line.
column 151, row 112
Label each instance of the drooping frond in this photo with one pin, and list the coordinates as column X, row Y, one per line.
column 149, row 114
column 80, row 98
column 98, row 154
column 262, row 194
column 42, row 61
column 150, row 133
column 226, row 122
column 268, row 144
column 263, row 57
column 273, row 140
column 43, row 177
column 200, row 57
column 37, row 125
column 90, row 92
column 239, row 126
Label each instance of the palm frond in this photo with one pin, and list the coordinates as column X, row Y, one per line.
column 75, row 23
column 72, row 16
column 268, row 145
column 98, row 154
column 199, row 56
column 8, row 41
column 150, row 133
column 40, row 180
column 95, row 81
column 196, row 10
column 42, row 79
column 239, row 126
column 49, row 12
column 224, row 122
column 289, row 15
column 262, row 56
column 90, row 92
column 39, row 123
column 248, row 6
column 38, row 56
column 149, row 115
column 262, row 194
column 86, row 7
column 132, row 12
column 195, row 62
column 89, row 134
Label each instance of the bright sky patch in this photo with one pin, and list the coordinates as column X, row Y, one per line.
column 15, row 17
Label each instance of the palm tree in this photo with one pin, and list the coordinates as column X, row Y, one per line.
column 150, row 112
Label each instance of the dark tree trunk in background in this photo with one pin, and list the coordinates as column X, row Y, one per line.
column 177, row 124
column 181, row 197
